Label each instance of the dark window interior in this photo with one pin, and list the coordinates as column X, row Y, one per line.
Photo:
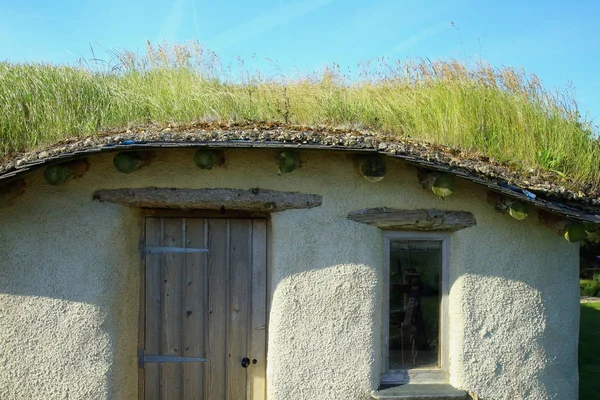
column 414, row 320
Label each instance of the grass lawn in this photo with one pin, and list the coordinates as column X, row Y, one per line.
column 589, row 351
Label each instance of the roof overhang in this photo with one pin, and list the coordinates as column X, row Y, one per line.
column 421, row 155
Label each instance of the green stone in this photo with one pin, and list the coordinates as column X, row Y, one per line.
column 127, row 162
column 373, row 168
column 57, row 174
column 288, row 161
column 575, row 232
column 519, row 211
column 444, row 185
column 205, row 159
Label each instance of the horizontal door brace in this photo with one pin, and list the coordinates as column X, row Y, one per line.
column 170, row 250
column 144, row 358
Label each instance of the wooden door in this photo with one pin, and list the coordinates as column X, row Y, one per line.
column 205, row 298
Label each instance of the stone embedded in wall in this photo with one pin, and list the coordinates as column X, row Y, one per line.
column 58, row 174
column 288, row 161
column 207, row 159
column 515, row 208
column 370, row 167
column 572, row 231
column 129, row 161
column 441, row 184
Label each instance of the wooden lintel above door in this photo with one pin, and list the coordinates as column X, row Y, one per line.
column 256, row 199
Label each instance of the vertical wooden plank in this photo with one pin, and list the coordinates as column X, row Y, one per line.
column 172, row 312
column 385, row 305
column 194, row 310
column 257, row 382
column 142, row 310
column 205, row 328
column 152, row 311
column 444, row 317
column 218, row 272
column 239, row 307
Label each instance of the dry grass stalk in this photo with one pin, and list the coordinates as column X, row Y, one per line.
column 501, row 112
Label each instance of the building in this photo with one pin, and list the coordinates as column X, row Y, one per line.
column 252, row 262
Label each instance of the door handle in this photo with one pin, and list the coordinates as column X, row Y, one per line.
column 245, row 362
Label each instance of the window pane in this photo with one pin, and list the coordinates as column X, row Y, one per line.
column 415, row 271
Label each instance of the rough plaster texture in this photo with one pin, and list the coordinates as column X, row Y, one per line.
column 69, row 285
column 68, row 296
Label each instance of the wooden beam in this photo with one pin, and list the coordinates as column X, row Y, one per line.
column 419, row 220
column 199, row 213
column 209, row 199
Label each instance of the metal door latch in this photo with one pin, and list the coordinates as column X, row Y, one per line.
column 246, row 362
column 171, row 250
column 144, row 358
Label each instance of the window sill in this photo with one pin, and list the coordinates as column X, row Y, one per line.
column 435, row 391
column 414, row 376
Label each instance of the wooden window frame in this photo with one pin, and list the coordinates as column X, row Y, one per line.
column 416, row 375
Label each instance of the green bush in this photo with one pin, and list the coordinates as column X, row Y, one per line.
column 590, row 287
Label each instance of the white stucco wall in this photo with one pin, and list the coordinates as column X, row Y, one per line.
column 68, row 296
column 69, row 280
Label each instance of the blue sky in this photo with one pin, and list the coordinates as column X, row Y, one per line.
column 557, row 40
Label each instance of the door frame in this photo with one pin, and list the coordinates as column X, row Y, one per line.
column 178, row 213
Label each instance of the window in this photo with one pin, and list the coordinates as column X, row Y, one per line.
column 415, row 294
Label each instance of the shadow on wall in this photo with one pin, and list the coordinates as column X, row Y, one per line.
column 325, row 319
column 69, row 277
column 589, row 351
column 511, row 301
column 509, row 289
column 515, row 292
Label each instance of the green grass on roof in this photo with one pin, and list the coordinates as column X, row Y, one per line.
column 503, row 113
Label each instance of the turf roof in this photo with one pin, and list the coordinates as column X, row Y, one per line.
column 499, row 177
column 500, row 120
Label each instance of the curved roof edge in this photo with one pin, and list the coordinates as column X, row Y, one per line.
column 534, row 189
